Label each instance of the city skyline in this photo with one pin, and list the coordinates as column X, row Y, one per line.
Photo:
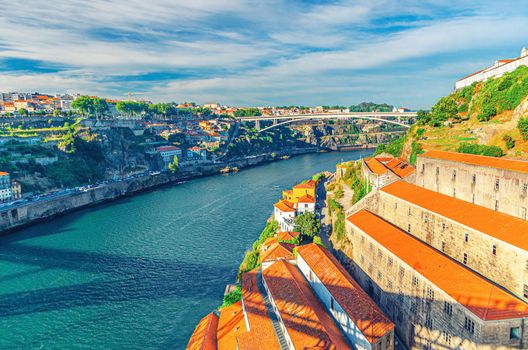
column 244, row 53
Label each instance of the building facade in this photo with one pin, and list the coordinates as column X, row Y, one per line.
column 498, row 69
column 494, row 183
column 6, row 193
column 435, row 302
column 491, row 243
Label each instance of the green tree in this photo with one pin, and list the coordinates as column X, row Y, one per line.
column 23, row 112
column 446, row 108
column 84, row 104
column 56, row 113
column 308, row 224
column 510, row 142
column 173, row 166
column 522, row 125
column 100, row 107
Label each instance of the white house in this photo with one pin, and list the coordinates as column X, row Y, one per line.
column 496, row 70
column 305, row 204
column 167, row 154
column 284, row 213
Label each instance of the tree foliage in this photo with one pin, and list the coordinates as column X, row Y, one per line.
column 473, row 148
column 174, row 165
column 522, row 125
column 308, row 224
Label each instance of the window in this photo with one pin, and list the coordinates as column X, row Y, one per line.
column 443, row 246
column 497, row 184
column 525, row 189
column 389, row 261
column 388, row 342
column 466, row 237
column 437, row 171
column 362, row 259
column 379, row 275
column 331, row 303
column 523, row 213
column 423, row 168
column 311, row 276
column 409, row 211
column 454, row 192
column 414, row 307
column 525, row 291
column 429, row 322
column 430, row 294
column 409, row 228
column 454, row 174
column 469, row 325
column 448, row 308
column 402, row 272
column 395, row 205
column 415, row 281
column 465, row 260
column 494, row 249
column 379, row 253
column 389, row 284
column 428, row 345
column 497, row 205
column 443, row 226
column 474, row 179
column 515, row 333
column 447, row 337
column 473, row 199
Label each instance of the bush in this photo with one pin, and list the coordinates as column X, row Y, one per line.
column 488, row 111
column 318, row 240
column 510, row 142
column 307, row 224
column 522, row 125
column 233, row 297
column 472, row 148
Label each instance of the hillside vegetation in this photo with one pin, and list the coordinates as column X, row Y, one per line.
column 488, row 118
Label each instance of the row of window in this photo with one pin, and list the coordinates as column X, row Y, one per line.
column 474, row 180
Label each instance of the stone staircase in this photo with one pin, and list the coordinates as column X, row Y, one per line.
column 271, row 314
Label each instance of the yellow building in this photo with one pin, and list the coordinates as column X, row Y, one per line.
column 300, row 190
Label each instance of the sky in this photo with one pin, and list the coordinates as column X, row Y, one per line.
column 256, row 53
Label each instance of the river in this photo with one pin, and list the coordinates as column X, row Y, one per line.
column 140, row 272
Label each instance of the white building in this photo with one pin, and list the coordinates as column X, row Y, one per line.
column 496, row 70
column 168, row 152
column 305, row 204
column 5, row 187
column 284, row 214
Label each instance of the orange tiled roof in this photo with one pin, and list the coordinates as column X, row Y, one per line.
column 364, row 312
column 493, row 162
column 375, row 166
column 308, row 184
column 306, row 199
column 230, row 326
column 480, row 296
column 284, row 205
column 287, row 235
column 495, row 224
column 400, row 167
column 204, row 335
column 307, row 322
column 277, row 251
column 3, row 173
column 261, row 335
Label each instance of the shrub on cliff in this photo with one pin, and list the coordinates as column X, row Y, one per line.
column 473, row 148
column 522, row 125
column 233, row 297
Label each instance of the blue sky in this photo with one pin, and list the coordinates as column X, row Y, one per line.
column 245, row 53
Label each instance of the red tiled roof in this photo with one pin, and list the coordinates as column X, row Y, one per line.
column 277, row 251
column 364, row 312
column 307, row 184
column 284, row 206
column 493, row 162
column 287, row 235
column 230, row 326
column 400, row 167
column 306, row 199
column 307, row 322
column 375, row 166
column 504, row 227
column 167, row 148
column 261, row 335
column 204, row 335
column 480, row 296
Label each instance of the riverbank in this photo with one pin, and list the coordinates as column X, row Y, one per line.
column 33, row 212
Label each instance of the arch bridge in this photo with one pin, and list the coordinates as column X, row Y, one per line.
column 405, row 119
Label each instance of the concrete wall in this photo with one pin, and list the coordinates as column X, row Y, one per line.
column 507, row 267
column 418, row 308
column 476, row 184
